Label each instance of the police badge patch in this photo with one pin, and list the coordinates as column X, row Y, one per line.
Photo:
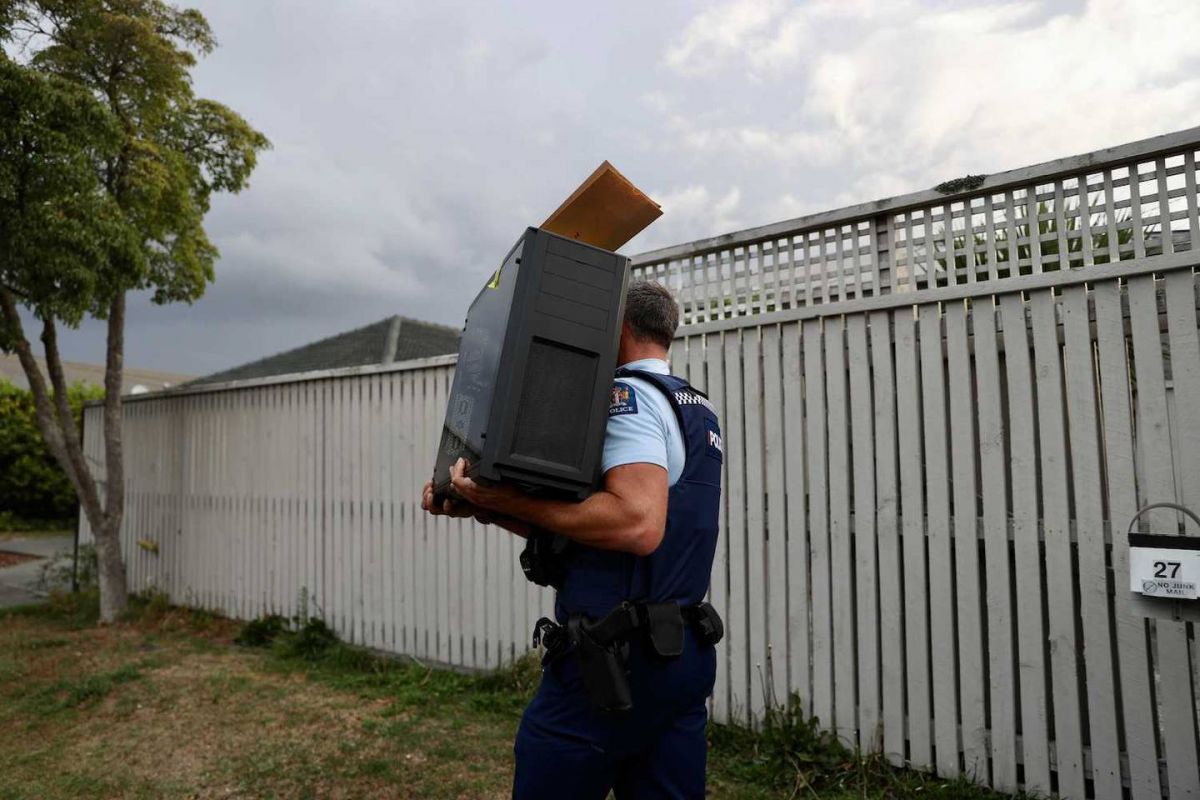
column 623, row 400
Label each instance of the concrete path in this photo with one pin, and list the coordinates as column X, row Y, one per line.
column 19, row 583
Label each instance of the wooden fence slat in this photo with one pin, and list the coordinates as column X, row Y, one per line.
column 1023, row 467
column 1033, row 227
column 737, row 621
column 369, row 492
column 385, row 444
column 916, row 602
column 989, row 220
column 426, row 531
column 1117, row 437
column 963, row 480
column 910, row 261
column 381, row 478
column 1193, row 201
column 714, row 385
column 359, row 509
column 1177, row 709
column 1135, row 206
column 818, row 522
column 1179, row 290
column 951, row 263
column 1094, row 586
column 1060, row 593
column 442, row 552
column 840, row 255
column 865, row 558
column 1164, row 207
column 887, row 504
column 1014, row 250
column 339, row 580
column 969, row 259
column 756, row 568
column 1060, row 225
column 841, row 565
column 857, row 259
column 799, row 667
column 877, row 249
column 775, row 580
column 937, row 511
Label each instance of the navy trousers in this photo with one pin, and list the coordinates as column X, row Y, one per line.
column 657, row 750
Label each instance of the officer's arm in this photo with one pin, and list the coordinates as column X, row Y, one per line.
column 629, row 514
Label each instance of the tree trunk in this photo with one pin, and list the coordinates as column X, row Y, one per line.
column 109, row 562
column 62, row 440
column 110, row 568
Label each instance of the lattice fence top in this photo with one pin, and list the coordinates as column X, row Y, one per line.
column 1134, row 201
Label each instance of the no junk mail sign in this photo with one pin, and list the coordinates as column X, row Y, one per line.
column 1164, row 565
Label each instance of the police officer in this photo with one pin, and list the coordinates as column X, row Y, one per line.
column 630, row 659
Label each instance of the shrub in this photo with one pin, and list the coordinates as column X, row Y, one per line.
column 261, row 632
column 58, row 571
column 33, row 488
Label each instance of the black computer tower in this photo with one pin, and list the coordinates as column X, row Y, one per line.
column 529, row 403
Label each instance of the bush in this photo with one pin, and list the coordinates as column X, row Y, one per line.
column 261, row 632
column 57, row 572
column 303, row 636
column 33, row 488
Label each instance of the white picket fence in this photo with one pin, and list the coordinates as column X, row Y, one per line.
column 926, row 489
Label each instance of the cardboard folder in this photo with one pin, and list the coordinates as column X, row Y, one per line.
column 606, row 211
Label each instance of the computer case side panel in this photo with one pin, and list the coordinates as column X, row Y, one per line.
column 477, row 391
column 562, row 366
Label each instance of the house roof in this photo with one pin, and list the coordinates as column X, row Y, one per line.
column 83, row 372
column 392, row 339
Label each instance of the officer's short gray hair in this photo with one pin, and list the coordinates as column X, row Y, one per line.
column 651, row 313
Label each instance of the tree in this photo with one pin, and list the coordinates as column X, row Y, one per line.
column 108, row 163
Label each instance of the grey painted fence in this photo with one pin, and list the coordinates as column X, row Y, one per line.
column 926, row 498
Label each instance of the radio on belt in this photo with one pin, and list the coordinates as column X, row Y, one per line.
column 1164, row 565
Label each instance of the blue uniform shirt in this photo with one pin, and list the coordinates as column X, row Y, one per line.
column 642, row 426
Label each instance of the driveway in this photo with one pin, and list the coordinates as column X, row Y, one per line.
column 19, row 583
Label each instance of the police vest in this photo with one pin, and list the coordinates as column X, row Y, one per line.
column 595, row 580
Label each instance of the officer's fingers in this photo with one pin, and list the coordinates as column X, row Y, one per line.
column 467, row 488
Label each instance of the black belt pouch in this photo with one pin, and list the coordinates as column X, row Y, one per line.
column 602, row 670
column 665, row 625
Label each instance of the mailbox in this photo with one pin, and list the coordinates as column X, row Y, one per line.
column 1164, row 566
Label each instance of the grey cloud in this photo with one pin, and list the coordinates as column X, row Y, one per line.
column 414, row 141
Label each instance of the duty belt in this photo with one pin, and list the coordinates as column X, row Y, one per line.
column 602, row 645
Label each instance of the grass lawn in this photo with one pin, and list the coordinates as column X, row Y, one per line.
column 39, row 533
column 166, row 705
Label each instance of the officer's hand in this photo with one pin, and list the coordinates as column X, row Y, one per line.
column 491, row 497
column 447, row 507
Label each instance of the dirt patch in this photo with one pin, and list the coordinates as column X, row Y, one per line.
column 8, row 559
column 153, row 709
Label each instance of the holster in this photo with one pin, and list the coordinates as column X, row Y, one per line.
column 602, row 668
column 602, row 645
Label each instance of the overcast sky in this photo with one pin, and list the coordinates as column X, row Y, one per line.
column 413, row 141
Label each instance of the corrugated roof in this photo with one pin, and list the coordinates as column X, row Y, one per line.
column 392, row 339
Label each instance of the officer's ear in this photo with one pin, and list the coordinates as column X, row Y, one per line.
column 626, row 343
